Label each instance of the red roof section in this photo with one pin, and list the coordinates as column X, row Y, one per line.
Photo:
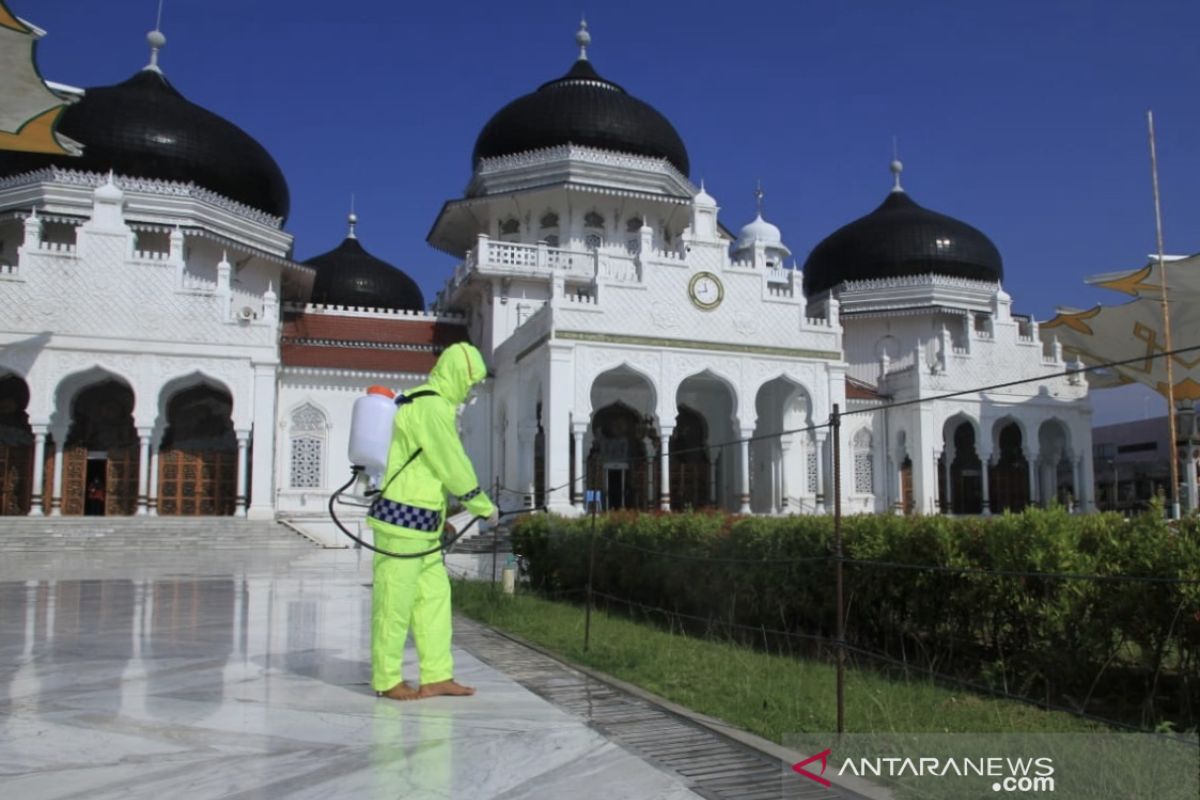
column 856, row 390
column 398, row 330
column 333, row 341
column 366, row 359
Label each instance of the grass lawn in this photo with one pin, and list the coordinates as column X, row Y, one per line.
column 769, row 695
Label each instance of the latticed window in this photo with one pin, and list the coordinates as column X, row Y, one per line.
column 308, row 447
column 509, row 226
column 812, row 468
column 549, row 220
column 593, row 220
column 864, row 463
column 634, row 225
column 592, row 241
column 306, row 462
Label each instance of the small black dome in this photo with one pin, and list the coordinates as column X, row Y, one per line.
column 584, row 109
column 897, row 239
column 350, row 276
column 144, row 128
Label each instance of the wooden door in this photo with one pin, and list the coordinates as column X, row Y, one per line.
column 906, row 487
column 16, row 479
column 74, row 480
column 196, row 483
column 121, row 489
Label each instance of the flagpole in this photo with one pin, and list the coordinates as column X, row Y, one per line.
column 1166, row 315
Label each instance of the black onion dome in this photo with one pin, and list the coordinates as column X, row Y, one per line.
column 145, row 128
column 584, row 109
column 900, row 238
column 350, row 276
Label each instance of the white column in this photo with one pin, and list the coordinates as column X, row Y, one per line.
column 152, row 488
column 985, row 463
column 56, row 495
column 262, row 477
column 819, row 444
column 143, row 500
column 1189, row 477
column 785, row 446
column 744, row 484
column 664, row 495
column 556, row 424
column 1081, row 493
column 39, row 468
column 1089, row 481
column 941, row 506
column 243, row 474
column 1031, row 458
column 578, row 429
column 526, row 438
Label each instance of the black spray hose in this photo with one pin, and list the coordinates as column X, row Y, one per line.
column 444, row 545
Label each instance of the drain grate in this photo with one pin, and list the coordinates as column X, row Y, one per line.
column 712, row 765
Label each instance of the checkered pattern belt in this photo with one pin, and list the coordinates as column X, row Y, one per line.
column 406, row 516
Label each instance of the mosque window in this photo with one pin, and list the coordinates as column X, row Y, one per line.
column 552, row 240
column 510, row 227
column 593, row 220
column 812, row 468
column 307, row 431
column 864, row 463
column 549, row 220
column 592, row 241
column 633, row 225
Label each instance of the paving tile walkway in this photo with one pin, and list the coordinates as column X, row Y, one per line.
column 221, row 675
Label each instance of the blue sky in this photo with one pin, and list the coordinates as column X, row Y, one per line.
column 1025, row 119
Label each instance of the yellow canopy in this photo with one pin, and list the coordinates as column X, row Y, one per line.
column 29, row 110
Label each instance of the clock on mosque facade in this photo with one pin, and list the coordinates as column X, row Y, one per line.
column 706, row 291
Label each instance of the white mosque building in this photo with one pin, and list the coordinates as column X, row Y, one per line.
column 161, row 351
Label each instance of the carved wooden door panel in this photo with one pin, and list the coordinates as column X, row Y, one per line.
column 906, row 488
column 196, row 483
column 16, row 479
column 74, row 477
column 121, row 476
column 48, row 476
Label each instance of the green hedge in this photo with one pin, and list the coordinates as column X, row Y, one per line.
column 1117, row 649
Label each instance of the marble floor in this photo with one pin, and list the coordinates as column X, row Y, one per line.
column 219, row 675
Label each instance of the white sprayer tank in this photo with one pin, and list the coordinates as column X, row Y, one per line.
column 371, row 430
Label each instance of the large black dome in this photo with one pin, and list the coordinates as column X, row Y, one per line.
column 145, row 128
column 584, row 109
column 350, row 276
column 901, row 238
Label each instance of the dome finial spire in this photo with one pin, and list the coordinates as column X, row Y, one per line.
column 896, row 166
column 156, row 40
column 583, row 38
column 352, row 219
column 758, row 196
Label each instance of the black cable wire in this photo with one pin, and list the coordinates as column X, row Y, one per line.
column 1006, row 384
column 908, row 666
column 445, row 543
column 1004, row 573
column 898, row 404
column 608, row 540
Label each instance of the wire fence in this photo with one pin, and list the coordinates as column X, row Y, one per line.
column 951, row 650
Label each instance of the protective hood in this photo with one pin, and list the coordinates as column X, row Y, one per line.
column 459, row 367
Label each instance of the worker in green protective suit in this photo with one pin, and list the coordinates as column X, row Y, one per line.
column 425, row 461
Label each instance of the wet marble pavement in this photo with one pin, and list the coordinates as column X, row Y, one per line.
column 219, row 675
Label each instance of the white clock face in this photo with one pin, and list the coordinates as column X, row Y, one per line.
column 706, row 290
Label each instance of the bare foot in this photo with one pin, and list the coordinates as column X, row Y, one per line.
column 450, row 687
column 401, row 691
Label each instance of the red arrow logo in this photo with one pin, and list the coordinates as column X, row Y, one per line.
column 824, row 757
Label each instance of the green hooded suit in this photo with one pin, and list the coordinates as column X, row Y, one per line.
column 408, row 517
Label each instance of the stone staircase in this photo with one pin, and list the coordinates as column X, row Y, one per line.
column 140, row 534
column 476, row 541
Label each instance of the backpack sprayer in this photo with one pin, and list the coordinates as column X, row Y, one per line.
column 370, row 437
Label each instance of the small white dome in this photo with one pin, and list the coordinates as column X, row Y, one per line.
column 703, row 198
column 760, row 231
